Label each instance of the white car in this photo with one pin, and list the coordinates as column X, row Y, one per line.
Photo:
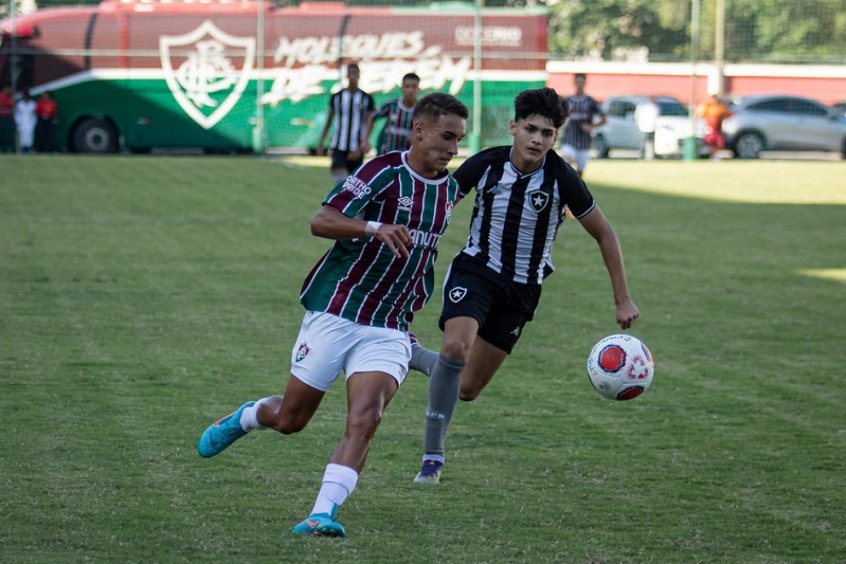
column 671, row 128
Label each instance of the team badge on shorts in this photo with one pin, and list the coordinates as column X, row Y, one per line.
column 457, row 294
column 538, row 200
column 302, row 352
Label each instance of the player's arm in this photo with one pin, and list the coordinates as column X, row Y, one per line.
column 598, row 227
column 321, row 149
column 330, row 223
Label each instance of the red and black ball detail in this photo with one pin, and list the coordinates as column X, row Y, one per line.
column 612, row 358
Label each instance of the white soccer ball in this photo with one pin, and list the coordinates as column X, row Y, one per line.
column 620, row 367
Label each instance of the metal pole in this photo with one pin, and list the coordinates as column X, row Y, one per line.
column 258, row 130
column 689, row 149
column 476, row 134
column 720, row 46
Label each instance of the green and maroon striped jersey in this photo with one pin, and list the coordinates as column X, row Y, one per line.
column 360, row 279
column 396, row 135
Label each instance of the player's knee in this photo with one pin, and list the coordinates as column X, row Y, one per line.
column 364, row 423
column 288, row 423
column 456, row 349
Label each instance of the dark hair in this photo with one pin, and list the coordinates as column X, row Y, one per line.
column 410, row 76
column 437, row 104
column 353, row 66
column 580, row 75
column 541, row 101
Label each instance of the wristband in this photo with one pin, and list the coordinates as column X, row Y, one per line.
column 372, row 227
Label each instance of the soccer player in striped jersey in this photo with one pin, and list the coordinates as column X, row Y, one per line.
column 396, row 135
column 386, row 219
column 582, row 111
column 353, row 107
column 493, row 286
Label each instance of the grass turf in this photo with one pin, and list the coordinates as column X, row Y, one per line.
column 141, row 298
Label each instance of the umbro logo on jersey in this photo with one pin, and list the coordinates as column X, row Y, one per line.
column 405, row 203
column 538, row 200
column 515, row 332
column 457, row 294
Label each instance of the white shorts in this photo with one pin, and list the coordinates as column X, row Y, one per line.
column 573, row 155
column 328, row 344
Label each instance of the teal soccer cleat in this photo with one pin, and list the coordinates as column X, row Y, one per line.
column 321, row 525
column 222, row 433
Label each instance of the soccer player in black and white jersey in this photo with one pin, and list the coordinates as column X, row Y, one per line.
column 353, row 107
column 494, row 284
column 584, row 115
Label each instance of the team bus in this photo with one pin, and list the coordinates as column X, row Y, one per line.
column 235, row 75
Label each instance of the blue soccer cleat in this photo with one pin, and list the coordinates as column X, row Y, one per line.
column 321, row 525
column 430, row 473
column 222, row 433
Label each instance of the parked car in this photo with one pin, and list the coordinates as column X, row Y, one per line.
column 783, row 122
column 621, row 132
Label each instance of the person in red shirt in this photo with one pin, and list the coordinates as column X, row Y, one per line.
column 7, row 121
column 45, row 110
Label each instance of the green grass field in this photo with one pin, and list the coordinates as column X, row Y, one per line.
column 141, row 298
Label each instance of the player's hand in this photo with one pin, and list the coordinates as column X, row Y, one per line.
column 587, row 127
column 396, row 237
column 321, row 151
column 627, row 312
column 354, row 155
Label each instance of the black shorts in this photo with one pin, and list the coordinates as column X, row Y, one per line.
column 340, row 159
column 501, row 306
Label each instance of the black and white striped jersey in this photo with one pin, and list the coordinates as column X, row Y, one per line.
column 351, row 111
column 516, row 216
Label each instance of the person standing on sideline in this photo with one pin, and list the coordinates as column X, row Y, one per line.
column 645, row 115
column 352, row 106
column 7, row 120
column 25, row 120
column 713, row 111
column 493, row 285
column 387, row 219
column 45, row 111
column 583, row 112
column 396, row 135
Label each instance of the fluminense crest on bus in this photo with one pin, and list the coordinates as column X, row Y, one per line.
column 206, row 84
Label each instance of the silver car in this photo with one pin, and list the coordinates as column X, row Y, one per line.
column 777, row 122
column 621, row 132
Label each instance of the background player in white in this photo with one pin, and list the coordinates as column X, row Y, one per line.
column 352, row 106
column 360, row 299
column 582, row 116
column 494, row 284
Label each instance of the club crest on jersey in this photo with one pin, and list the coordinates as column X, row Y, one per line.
column 538, row 200
column 302, row 352
column 457, row 294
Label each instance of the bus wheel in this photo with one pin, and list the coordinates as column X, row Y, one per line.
column 95, row 135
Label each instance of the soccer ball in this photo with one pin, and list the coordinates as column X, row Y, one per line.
column 620, row 367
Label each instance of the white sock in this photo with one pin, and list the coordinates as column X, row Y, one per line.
column 338, row 483
column 249, row 417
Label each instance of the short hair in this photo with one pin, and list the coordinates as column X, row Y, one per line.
column 353, row 66
column 437, row 104
column 410, row 76
column 540, row 101
column 580, row 75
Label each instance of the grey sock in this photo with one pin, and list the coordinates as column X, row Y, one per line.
column 422, row 359
column 444, row 384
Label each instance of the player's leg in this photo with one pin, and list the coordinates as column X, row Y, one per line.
column 338, row 167
column 377, row 365
column 485, row 359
